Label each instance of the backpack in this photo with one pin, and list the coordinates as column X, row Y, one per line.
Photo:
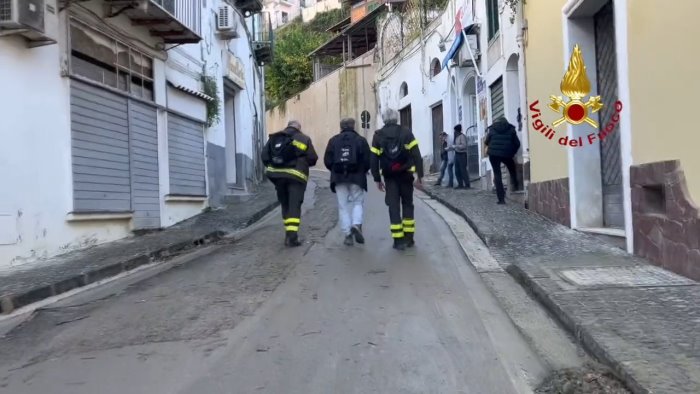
column 345, row 154
column 282, row 150
column 395, row 156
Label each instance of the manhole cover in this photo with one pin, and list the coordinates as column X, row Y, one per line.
column 624, row 276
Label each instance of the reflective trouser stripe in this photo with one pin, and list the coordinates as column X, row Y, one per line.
column 409, row 226
column 292, row 224
column 397, row 231
column 289, row 171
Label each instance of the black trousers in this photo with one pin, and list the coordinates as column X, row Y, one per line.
column 498, row 177
column 290, row 194
column 463, row 171
column 399, row 199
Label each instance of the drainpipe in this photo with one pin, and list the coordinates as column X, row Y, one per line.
column 522, row 81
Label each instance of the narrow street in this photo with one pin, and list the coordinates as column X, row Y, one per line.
column 251, row 316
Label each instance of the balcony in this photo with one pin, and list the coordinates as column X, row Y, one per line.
column 249, row 7
column 263, row 38
column 175, row 21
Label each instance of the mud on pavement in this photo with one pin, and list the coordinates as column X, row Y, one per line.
column 194, row 300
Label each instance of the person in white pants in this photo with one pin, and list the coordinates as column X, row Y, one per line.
column 351, row 201
column 348, row 159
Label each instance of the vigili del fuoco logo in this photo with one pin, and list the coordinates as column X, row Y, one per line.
column 575, row 86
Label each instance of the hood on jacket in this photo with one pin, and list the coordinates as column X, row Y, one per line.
column 501, row 126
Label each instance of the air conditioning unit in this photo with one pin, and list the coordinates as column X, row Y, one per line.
column 36, row 20
column 465, row 59
column 227, row 22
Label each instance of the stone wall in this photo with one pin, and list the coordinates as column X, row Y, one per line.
column 666, row 221
column 551, row 200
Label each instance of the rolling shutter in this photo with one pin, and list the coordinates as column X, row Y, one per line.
column 497, row 104
column 144, row 165
column 186, row 152
column 100, row 150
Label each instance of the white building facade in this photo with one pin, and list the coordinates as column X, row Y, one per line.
column 108, row 121
column 283, row 11
column 455, row 86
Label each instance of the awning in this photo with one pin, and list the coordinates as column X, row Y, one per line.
column 363, row 36
column 191, row 91
column 456, row 45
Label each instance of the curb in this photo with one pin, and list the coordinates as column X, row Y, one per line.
column 582, row 335
column 12, row 302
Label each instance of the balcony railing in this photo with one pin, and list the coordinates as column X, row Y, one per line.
column 263, row 37
column 175, row 21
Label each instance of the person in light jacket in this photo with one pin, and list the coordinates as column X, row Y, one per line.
column 460, row 147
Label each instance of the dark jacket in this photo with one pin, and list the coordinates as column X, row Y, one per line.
column 406, row 138
column 306, row 157
column 358, row 177
column 502, row 139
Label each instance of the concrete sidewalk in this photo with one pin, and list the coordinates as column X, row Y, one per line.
column 34, row 282
column 643, row 321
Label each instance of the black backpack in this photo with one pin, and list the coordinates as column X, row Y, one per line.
column 282, row 150
column 345, row 153
column 395, row 157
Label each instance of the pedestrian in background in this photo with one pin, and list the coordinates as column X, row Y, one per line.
column 287, row 156
column 460, row 147
column 397, row 159
column 447, row 155
column 347, row 157
column 503, row 143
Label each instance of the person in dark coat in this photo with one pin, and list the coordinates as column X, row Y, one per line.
column 349, row 178
column 291, row 176
column 503, row 143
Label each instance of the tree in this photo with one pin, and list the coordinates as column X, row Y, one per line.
column 291, row 70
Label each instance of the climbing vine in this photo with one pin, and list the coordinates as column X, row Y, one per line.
column 211, row 89
column 513, row 5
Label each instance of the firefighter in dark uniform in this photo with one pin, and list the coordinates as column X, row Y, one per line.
column 398, row 160
column 287, row 156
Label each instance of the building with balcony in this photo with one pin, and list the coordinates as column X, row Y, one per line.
column 124, row 116
column 282, row 12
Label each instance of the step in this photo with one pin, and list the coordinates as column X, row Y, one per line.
column 612, row 236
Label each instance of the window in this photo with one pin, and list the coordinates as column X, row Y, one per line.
column 103, row 59
column 285, row 17
column 493, row 17
column 403, row 91
column 435, row 67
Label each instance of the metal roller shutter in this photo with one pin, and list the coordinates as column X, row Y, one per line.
column 100, row 150
column 497, row 104
column 186, row 152
column 145, row 191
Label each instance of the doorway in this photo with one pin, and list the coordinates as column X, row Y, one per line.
column 437, row 142
column 405, row 117
column 610, row 153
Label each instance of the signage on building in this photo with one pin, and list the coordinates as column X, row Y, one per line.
column 480, row 85
column 236, row 71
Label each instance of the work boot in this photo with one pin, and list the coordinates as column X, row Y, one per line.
column 409, row 240
column 292, row 240
column 349, row 240
column 399, row 244
column 357, row 232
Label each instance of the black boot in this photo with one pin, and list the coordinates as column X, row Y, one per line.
column 399, row 244
column 409, row 240
column 292, row 239
column 348, row 240
column 357, row 232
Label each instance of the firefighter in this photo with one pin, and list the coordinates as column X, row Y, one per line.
column 398, row 160
column 287, row 156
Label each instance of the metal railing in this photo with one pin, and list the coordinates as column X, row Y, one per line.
column 262, row 28
column 188, row 12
